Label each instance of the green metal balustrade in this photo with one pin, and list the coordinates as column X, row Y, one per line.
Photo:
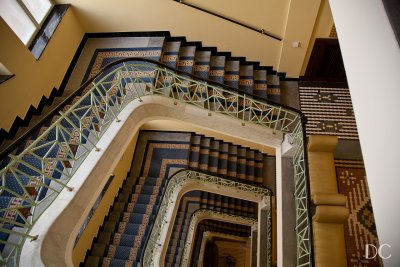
column 33, row 174
column 190, row 179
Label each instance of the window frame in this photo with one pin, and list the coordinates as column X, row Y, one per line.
column 25, row 12
column 38, row 25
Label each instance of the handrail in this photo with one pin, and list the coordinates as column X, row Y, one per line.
column 262, row 31
column 79, row 91
column 110, row 91
column 190, row 178
column 197, row 216
column 246, row 182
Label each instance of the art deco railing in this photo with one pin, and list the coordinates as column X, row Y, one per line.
column 33, row 176
column 202, row 214
column 187, row 178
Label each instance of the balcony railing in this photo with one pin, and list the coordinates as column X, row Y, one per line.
column 197, row 180
column 34, row 172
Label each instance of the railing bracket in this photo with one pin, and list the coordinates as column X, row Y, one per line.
column 33, row 238
column 70, row 189
column 97, row 149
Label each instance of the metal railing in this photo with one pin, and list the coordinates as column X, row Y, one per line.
column 202, row 214
column 245, row 25
column 175, row 185
column 34, row 173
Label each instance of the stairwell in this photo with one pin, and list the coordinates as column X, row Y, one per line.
column 122, row 238
column 64, row 145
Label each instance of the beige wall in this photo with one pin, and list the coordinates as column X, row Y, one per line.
column 322, row 29
column 34, row 78
column 269, row 15
column 292, row 20
column 180, row 20
column 300, row 22
column 91, row 230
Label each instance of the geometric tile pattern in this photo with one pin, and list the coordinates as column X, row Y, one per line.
column 102, row 57
column 360, row 229
column 328, row 111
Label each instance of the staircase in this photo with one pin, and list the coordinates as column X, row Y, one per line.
column 34, row 179
column 123, row 236
column 222, row 67
column 195, row 200
column 216, row 227
column 121, row 240
column 226, row 159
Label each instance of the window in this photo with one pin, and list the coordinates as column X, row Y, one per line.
column 25, row 17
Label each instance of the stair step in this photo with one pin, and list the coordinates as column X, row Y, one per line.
column 274, row 90
column 136, row 225
column 232, row 73
column 147, row 189
column 241, row 163
column 246, row 78
column 205, row 143
column 105, row 261
column 260, row 86
column 202, row 64
column 171, row 53
column 250, row 162
column 186, row 58
column 223, row 159
column 232, row 161
column 124, row 252
column 194, row 155
column 213, row 156
column 258, row 167
column 217, row 69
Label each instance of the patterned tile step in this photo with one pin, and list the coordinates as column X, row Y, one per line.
column 274, row 89
column 260, row 85
column 171, row 53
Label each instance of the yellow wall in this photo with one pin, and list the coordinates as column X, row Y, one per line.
column 92, row 228
column 322, row 28
column 269, row 15
column 300, row 23
column 293, row 20
column 180, row 20
column 34, row 78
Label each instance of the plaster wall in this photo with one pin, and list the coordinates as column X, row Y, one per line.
column 34, row 78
